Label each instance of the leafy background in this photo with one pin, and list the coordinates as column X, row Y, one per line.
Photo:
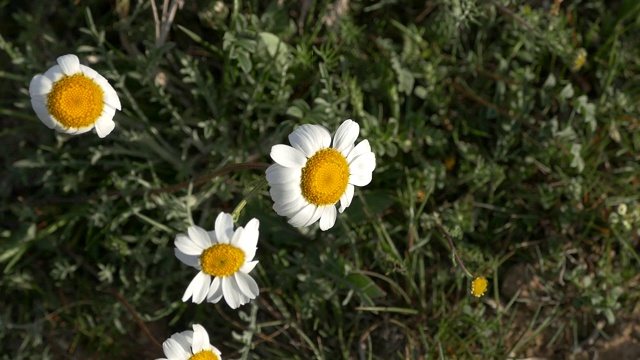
column 511, row 126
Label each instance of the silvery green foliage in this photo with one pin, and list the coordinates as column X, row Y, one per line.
column 479, row 117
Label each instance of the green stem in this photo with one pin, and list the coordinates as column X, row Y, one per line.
column 454, row 252
column 236, row 212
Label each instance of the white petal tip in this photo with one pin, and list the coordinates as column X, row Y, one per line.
column 105, row 127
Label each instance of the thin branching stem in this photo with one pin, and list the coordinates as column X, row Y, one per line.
column 453, row 248
column 139, row 321
column 236, row 212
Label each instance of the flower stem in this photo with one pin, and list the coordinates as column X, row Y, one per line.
column 454, row 252
column 236, row 212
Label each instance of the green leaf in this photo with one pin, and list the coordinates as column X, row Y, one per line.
column 12, row 252
column 244, row 61
column 567, row 92
column 273, row 43
column 365, row 285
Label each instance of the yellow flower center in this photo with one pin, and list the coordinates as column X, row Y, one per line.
column 204, row 355
column 325, row 177
column 221, row 260
column 75, row 101
column 479, row 286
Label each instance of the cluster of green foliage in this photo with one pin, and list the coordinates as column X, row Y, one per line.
column 511, row 125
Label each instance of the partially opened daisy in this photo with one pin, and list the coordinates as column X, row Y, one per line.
column 190, row 345
column 311, row 175
column 73, row 98
column 224, row 255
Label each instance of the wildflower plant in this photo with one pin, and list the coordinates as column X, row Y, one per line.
column 224, row 255
column 311, row 176
column 478, row 185
column 73, row 98
column 190, row 345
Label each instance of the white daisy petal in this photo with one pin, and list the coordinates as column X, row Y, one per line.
column 199, row 236
column 241, row 297
column 345, row 199
column 362, row 179
column 248, row 266
column 328, row 218
column 198, row 288
column 288, row 156
column 68, row 130
column 247, row 285
column 187, row 246
column 303, row 139
column 77, row 131
column 215, row 291
column 230, row 292
column 200, row 293
column 250, row 239
column 364, row 163
column 189, row 260
column 40, row 107
column 184, row 338
column 317, row 214
column 40, row 85
column 249, row 253
column 303, row 216
column 283, row 195
column 321, row 136
column 224, row 228
column 54, row 73
column 216, row 351
column 206, row 345
column 110, row 96
column 183, row 342
column 252, row 225
column 89, row 72
column 277, row 174
column 362, row 148
column 174, row 351
column 237, row 237
column 105, row 125
column 346, row 135
column 189, row 291
column 58, row 127
column 290, row 208
column 200, row 338
column 212, row 237
column 70, row 64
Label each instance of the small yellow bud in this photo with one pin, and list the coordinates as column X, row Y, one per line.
column 450, row 162
column 579, row 59
column 479, row 286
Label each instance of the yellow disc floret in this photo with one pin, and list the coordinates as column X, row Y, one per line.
column 75, row 101
column 479, row 286
column 204, row 355
column 221, row 260
column 325, row 177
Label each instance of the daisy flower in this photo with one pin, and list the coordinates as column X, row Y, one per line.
column 190, row 345
column 73, row 98
column 311, row 175
column 221, row 254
